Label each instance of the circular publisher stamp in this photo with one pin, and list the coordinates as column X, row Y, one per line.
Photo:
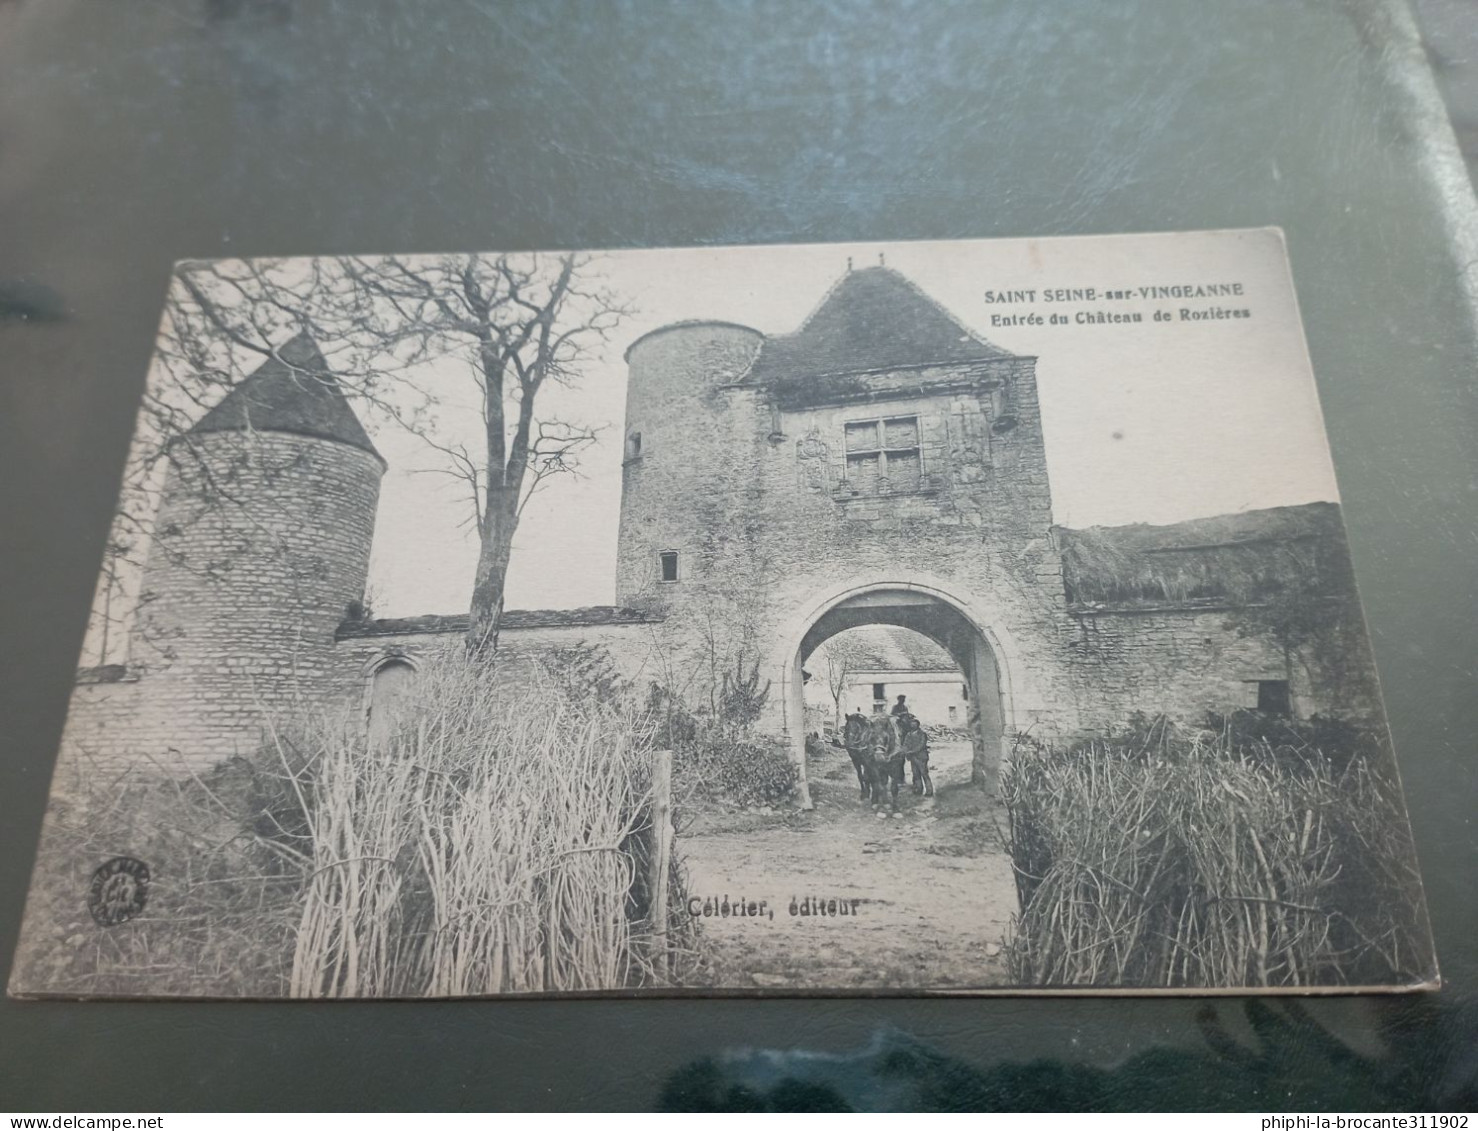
column 119, row 891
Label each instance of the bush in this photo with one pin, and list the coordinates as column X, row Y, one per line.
column 741, row 771
column 718, row 759
column 1241, row 854
column 222, row 901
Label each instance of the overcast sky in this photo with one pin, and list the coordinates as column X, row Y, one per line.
column 1154, row 422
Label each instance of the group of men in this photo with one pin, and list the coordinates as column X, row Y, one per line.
column 879, row 746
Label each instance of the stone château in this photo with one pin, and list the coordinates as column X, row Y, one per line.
column 881, row 465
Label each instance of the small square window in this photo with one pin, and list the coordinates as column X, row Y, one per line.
column 903, row 469
column 668, row 559
column 880, row 692
column 863, row 471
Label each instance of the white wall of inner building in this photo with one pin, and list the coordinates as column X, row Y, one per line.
column 937, row 698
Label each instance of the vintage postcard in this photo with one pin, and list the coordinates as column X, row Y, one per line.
column 955, row 617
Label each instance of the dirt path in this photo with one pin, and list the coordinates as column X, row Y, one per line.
column 933, row 890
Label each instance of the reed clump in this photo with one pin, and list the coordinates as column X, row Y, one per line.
column 1249, row 852
column 485, row 846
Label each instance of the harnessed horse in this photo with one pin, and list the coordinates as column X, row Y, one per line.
column 856, row 737
column 884, row 762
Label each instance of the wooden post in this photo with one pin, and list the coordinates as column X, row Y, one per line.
column 661, row 858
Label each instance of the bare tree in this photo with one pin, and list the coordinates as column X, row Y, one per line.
column 398, row 334
column 520, row 324
column 840, row 658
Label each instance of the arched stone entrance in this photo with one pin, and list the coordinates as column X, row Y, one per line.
column 932, row 610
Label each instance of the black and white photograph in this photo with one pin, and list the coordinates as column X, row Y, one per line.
column 879, row 618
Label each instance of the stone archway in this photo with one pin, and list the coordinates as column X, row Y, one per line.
column 933, row 611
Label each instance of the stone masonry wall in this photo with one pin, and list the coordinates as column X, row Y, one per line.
column 676, row 403
column 519, row 650
column 1187, row 662
column 141, row 721
column 1184, row 663
column 260, row 543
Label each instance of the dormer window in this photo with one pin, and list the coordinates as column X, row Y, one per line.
column 883, row 455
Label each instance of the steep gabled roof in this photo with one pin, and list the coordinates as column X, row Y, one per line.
column 293, row 391
column 871, row 319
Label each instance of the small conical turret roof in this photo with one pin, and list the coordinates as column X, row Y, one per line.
column 871, row 319
column 292, row 391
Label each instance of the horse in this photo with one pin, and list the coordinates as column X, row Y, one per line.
column 855, row 737
column 884, row 763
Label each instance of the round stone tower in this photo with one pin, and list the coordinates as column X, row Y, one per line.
column 689, row 443
column 261, row 544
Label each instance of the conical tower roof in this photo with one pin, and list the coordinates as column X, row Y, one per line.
column 872, row 319
column 293, row 391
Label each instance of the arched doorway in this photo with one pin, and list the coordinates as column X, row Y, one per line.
column 932, row 612
column 392, row 683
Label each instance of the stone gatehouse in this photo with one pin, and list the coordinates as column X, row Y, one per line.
column 882, row 465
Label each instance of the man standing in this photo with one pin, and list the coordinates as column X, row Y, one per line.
column 915, row 745
column 899, row 708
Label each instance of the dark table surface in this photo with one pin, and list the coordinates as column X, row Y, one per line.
column 132, row 135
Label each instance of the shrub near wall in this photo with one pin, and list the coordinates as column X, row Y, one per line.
column 747, row 772
column 1254, row 852
column 221, row 906
column 719, row 760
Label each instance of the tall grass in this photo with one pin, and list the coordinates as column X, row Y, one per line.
column 222, row 901
column 1169, row 856
column 495, row 843
column 486, row 847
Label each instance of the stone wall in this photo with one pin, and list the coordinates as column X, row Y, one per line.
column 1178, row 662
column 145, row 720
column 1189, row 661
column 261, row 542
column 520, row 650
column 676, row 403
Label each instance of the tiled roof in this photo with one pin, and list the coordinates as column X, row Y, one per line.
column 512, row 618
column 293, row 391
column 891, row 648
column 872, row 319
